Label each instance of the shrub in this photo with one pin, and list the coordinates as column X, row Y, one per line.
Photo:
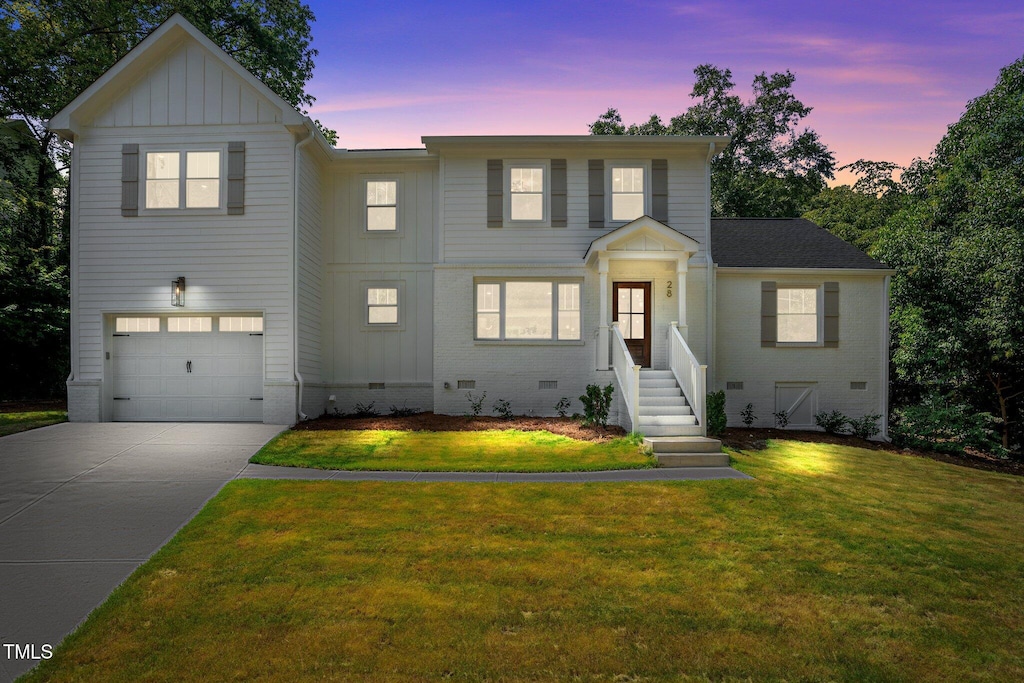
column 404, row 411
column 365, row 410
column 864, row 427
column 476, row 405
column 781, row 419
column 562, row 407
column 748, row 415
column 503, row 409
column 833, row 422
column 716, row 413
column 596, row 404
column 943, row 424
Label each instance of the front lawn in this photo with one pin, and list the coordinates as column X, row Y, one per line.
column 12, row 422
column 483, row 451
column 835, row 563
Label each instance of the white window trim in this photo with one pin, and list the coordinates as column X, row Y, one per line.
column 609, row 166
column 182, row 150
column 397, row 179
column 506, row 195
column 501, row 340
column 819, row 314
column 364, row 314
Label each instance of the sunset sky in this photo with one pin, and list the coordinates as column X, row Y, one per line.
column 884, row 78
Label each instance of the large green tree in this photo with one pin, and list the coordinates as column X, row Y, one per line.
column 771, row 167
column 958, row 296
column 855, row 213
column 50, row 50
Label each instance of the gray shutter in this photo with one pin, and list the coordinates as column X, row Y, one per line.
column 769, row 314
column 596, row 182
column 832, row 314
column 559, row 188
column 129, row 180
column 495, row 202
column 659, row 190
column 236, row 178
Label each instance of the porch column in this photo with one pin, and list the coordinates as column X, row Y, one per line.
column 602, row 330
column 681, row 293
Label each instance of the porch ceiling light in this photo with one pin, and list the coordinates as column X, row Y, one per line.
column 178, row 291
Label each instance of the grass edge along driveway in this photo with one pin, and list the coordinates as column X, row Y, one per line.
column 834, row 563
column 424, row 451
column 14, row 422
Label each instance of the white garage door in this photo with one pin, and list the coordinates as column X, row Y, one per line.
column 199, row 368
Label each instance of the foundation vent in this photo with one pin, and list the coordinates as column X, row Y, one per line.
column 467, row 384
column 376, row 386
column 547, row 384
column 734, row 386
column 859, row 386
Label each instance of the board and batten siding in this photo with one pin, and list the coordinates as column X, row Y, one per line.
column 310, row 266
column 467, row 238
column 188, row 87
column 230, row 262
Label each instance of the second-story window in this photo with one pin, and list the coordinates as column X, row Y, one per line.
column 381, row 205
column 627, row 192
column 526, row 193
column 176, row 180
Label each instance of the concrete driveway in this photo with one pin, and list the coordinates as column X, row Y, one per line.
column 83, row 505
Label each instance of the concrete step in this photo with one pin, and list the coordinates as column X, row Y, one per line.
column 693, row 460
column 656, row 374
column 666, row 391
column 671, row 430
column 662, row 400
column 665, row 420
column 680, row 409
column 656, row 383
column 683, row 444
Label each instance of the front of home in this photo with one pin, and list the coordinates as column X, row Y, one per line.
column 229, row 264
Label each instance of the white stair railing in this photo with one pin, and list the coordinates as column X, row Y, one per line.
column 627, row 373
column 691, row 375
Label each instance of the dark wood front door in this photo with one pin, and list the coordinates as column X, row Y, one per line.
column 631, row 306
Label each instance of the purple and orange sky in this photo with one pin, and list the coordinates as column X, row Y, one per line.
column 884, row 78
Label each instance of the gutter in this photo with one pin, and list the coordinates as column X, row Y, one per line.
column 295, row 271
column 709, row 331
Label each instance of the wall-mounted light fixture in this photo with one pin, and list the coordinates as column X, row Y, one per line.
column 178, row 291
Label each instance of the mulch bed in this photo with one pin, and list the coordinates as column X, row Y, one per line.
column 430, row 422
column 757, row 439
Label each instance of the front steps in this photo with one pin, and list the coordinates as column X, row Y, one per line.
column 687, row 451
column 663, row 409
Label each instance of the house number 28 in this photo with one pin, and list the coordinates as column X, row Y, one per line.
column 669, row 289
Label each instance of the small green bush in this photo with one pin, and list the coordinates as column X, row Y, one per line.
column 365, row 410
column 781, row 419
column 476, row 405
column 404, row 411
column 716, row 413
column 941, row 423
column 503, row 409
column 833, row 422
column 748, row 415
column 563, row 405
column 596, row 404
column 864, row 427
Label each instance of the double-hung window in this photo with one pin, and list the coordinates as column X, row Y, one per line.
column 797, row 315
column 628, row 192
column 381, row 205
column 528, row 310
column 382, row 306
column 183, row 180
column 526, row 195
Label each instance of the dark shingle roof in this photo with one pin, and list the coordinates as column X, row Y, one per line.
column 782, row 243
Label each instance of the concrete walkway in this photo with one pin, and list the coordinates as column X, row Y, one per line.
column 83, row 505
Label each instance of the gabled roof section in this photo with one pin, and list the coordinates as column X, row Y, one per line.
column 782, row 243
column 644, row 235
column 154, row 47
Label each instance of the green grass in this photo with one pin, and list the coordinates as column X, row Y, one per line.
column 11, row 423
column 835, row 563
column 486, row 451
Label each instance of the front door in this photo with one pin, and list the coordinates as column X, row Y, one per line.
column 631, row 306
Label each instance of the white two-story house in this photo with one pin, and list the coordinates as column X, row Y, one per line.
column 229, row 264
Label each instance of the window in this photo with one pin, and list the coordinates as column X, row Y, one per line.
column 628, row 192
column 137, row 325
column 381, row 205
column 240, row 324
column 528, row 310
column 190, row 324
column 201, row 172
column 798, row 314
column 526, row 192
column 382, row 305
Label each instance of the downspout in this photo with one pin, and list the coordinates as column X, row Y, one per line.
column 709, row 331
column 295, row 272
column 885, row 357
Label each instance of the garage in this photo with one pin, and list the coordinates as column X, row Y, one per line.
column 205, row 368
